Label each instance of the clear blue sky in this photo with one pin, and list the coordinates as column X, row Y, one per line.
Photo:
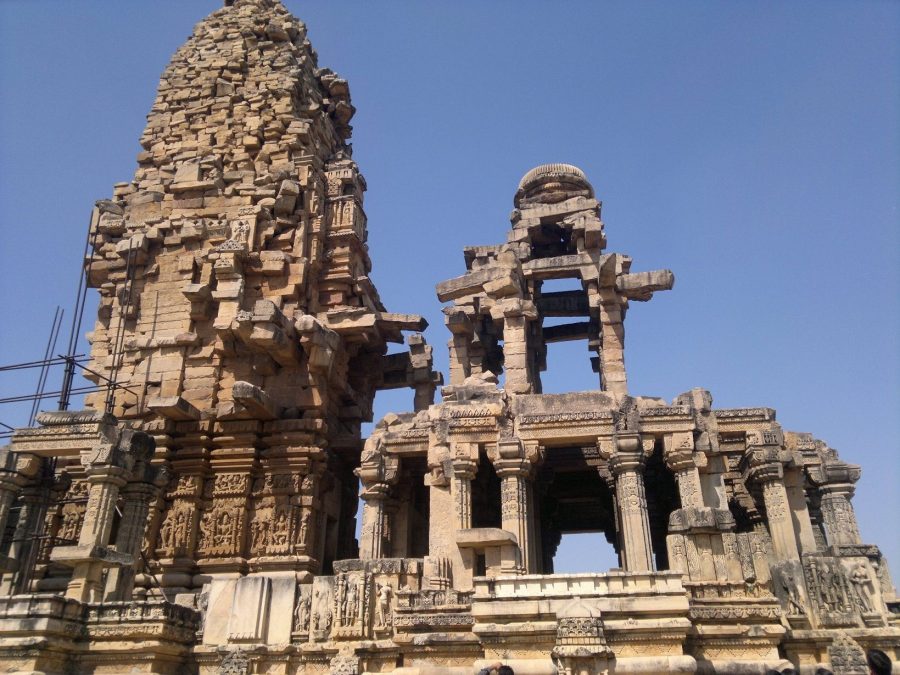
column 751, row 147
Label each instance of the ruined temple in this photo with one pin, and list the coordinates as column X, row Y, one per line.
column 199, row 516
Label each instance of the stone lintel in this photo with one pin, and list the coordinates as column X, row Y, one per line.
column 71, row 556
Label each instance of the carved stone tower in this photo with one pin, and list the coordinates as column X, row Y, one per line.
column 200, row 516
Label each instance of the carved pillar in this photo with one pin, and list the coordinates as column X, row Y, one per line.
column 377, row 471
column 32, row 506
column 105, row 483
column 679, row 456
column 627, row 465
column 838, row 516
column 770, row 478
column 371, row 543
column 796, row 495
column 138, row 498
column 464, row 470
column 443, row 565
column 15, row 471
column 514, row 470
column 763, row 466
column 836, row 486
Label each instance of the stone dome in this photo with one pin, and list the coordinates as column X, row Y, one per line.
column 552, row 183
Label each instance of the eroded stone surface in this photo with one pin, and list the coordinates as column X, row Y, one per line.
column 201, row 516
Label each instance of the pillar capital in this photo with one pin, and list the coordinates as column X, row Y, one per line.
column 679, row 451
column 375, row 491
column 464, row 468
column 512, row 467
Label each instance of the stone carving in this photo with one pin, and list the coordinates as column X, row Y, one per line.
column 302, row 610
column 385, row 593
column 235, row 663
column 847, row 657
column 859, row 577
column 238, row 315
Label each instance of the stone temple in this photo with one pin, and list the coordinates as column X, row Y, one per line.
column 200, row 515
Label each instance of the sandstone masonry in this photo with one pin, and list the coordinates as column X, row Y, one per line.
column 200, row 515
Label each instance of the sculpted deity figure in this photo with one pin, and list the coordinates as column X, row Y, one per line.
column 859, row 577
column 166, row 534
column 789, row 583
column 240, row 230
column 301, row 616
column 304, row 526
column 384, row 604
column 350, row 605
column 280, row 533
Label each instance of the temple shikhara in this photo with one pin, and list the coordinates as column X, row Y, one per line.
column 200, row 515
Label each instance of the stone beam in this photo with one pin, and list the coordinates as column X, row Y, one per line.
column 580, row 330
column 641, row 285
column 563, row 303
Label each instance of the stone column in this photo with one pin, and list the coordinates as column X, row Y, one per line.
column 770, row 478
column 513, row 465
column 463, row 472
column 516, row 358
column 443, row 565
column 105, row 483
column 612, row 344
column 679, row 456
column 132, row 526
column 514, row 504
column 627, row 465
column 108, row 466
column 763, row 466
column 32, row 507
column 371, row 543
column 459, row 324
column 796, row 495
column 15, row 471
column 838, row 516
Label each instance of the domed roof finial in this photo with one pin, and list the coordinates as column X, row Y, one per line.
column 549, row 183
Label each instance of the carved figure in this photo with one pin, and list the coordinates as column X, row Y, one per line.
column 385, row 592
column 789, row 584
column 349, row 614
column 240, row 230
column 304, row 526
column 859, row 577
column 301, row 615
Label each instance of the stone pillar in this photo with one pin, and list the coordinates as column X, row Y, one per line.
column 459, row 324
column 517, row 360
column 838, row 516
column 137, row 497
column 32, row 506
column 627, row 465
column 514, row 468
column 443, row 565
column 796, row 495
column 770, row 478
column 371, row 543
column 464, row 470
column 105, row 483
column 679, row 456
column 612, row 344
column 763, row 467
column 378, row 471
column 108, row 466
column 15, row 472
